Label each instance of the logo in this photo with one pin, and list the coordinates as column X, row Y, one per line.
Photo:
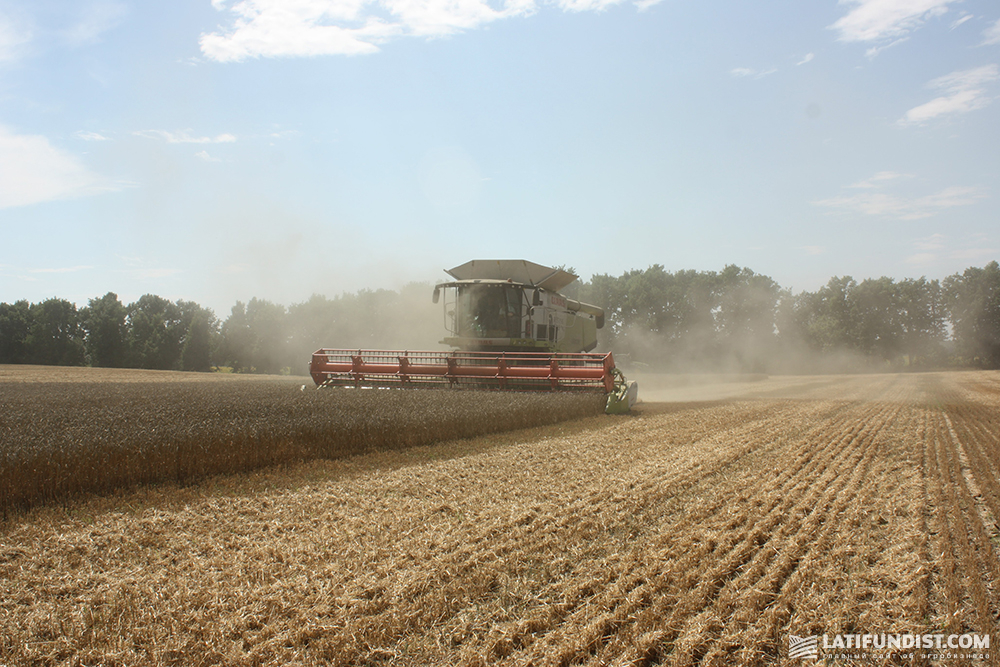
column 883, row 646
column 803, row 647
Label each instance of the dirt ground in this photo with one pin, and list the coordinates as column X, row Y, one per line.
column 722, row 517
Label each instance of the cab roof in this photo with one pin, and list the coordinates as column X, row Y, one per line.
column 514, row 270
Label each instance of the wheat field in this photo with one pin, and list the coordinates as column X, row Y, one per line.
column 67, row 432
column 704, row 529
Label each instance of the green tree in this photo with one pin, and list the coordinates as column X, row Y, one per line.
column 789, row 333
column 313, row 324
column 15, row 325
column 922, row 317
column 647, row 304
column 973, row 300
column 104, row 322
column 200, row 341
column 874, row 324
column 269, row 340
column 196, row 354
column 155, row 333
column 254, row 337
column 746, row 316
column 608, row 293
column 55, row 337
column 235, row 349
column 825, row 315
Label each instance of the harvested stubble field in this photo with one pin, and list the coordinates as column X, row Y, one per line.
column 690, row 533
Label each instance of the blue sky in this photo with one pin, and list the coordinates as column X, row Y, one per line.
column 215, row 150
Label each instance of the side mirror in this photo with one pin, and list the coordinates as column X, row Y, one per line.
column 537, row 299
column 437, row 295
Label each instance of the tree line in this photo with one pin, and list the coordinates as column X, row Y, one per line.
column 258, row 336
column 730, row 320
column 739, row 320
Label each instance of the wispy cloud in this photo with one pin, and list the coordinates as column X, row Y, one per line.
column 95, row 19
column 184, row 137
column 961, row 19
column 806, row 58
column 36, row 274
column 233, row 269
column 28, row 30
column 206, row 157
column 932, row 242
column 746, row 72
column 880, row 203
column 143, row 269
column 813, row 249
column 91, row 136
column 886, row 20
column 964, row 91
column 66, row 269
column 875, row 50
column 992, row 34
column 148, row 274
column 14, row 36
column 937, row 246
column 341, row 27
column 296, row 28
column 879, row 180
column 974, row 254
column 922, row 258
column 887, row 205
column 589, row 5
column 32, row 170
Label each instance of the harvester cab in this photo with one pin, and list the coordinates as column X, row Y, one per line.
column 514, row 306
column 512, row 330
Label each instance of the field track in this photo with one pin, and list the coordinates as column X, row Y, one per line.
column 704, row 529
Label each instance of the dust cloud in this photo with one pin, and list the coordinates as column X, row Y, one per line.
column 705, row 370
column 381, row 319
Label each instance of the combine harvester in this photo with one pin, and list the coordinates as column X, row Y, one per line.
column 512, row 330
